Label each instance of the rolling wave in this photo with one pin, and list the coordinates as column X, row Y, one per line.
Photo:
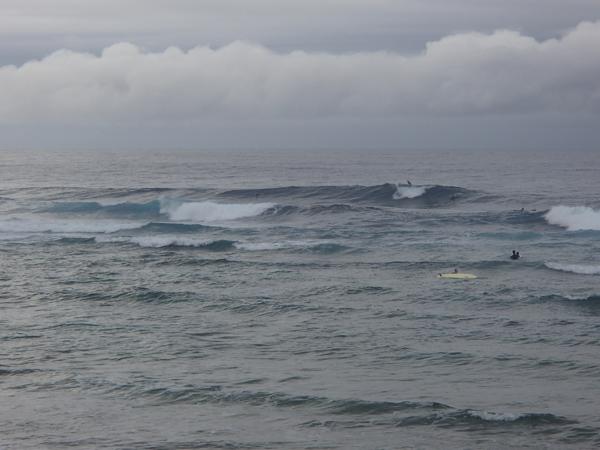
column 386, row 194
column 399, row 413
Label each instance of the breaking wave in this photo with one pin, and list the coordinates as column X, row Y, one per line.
column 169, row 241
column 574, row 268
column 574, row 218
column 409, row 192
column 173, row 209
column 208, row 211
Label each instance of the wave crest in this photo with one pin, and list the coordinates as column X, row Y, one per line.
column 574, row 268
column 574, row 218
column 170, row 241
column 208, row 211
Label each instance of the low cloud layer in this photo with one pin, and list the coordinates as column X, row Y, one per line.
column 465, row 74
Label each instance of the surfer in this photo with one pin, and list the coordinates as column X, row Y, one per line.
column 455, row 270
column 408, row 182
column 515, row 255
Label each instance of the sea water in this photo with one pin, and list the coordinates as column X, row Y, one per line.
column 290, row 299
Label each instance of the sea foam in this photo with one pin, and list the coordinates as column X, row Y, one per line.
column 212, row 212
column 574, row 218
column 403, row 192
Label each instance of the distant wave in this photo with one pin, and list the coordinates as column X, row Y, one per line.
column 64, row 226
column 574, row 218
column 208, row 211
column 574, row 268
column 387, row 194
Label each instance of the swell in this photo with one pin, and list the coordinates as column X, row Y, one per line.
column 398, row 413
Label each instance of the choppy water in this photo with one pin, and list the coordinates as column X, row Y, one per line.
column 288, row 300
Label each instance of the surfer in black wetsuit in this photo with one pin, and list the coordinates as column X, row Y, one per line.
column 515, row 255
column 408, row 182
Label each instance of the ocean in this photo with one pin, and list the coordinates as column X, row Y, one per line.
column 290, row 299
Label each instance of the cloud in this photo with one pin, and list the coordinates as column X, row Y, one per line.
column 464, row 74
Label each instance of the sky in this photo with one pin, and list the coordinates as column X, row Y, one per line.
column 490, row 74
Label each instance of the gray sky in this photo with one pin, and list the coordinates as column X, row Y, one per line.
column 312, row 73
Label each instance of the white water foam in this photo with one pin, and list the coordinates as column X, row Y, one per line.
column 495, row 417
column 574, row 268
column 212, row 212
column 574, row 218
column 19, row 225
column 403, row 192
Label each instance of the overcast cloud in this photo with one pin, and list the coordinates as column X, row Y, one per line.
column 270, row 68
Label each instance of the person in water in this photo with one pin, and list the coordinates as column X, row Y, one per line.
column 408, row 182
column 515, row 255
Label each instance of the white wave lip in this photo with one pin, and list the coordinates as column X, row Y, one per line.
column 403, row 192
column 581, row 269
column 154, row 241
column 213, row 212
column 574, row 218
column 65, row 226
